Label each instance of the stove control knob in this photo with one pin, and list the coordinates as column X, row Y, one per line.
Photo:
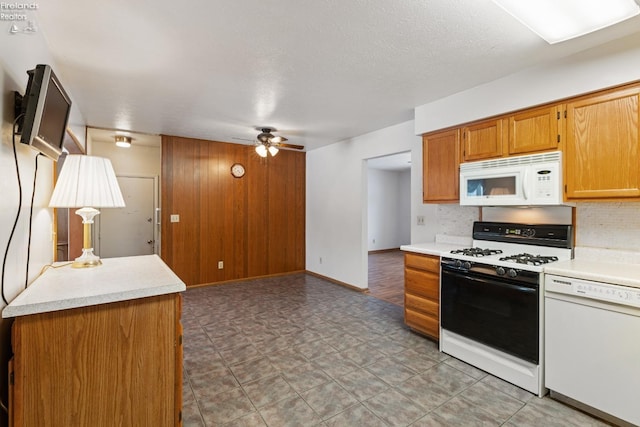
column 458, row 263
column 512, row 273
column 500, row 271
column 467, row 265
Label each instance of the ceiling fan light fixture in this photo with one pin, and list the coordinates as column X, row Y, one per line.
column 273, row 150
column 123, row 141
column 559, row 21
column 277, row 139
column 261, row 149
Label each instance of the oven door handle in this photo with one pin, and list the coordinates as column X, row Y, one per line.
column 496, row 283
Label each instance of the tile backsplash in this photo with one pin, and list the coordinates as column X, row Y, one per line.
column 456, row 220
column 608, row 225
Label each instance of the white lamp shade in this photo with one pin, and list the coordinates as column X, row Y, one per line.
column 261, row 150
column 86, row 181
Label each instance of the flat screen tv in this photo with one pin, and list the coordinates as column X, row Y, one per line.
column 46, row 108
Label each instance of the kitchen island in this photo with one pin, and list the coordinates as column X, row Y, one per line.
column 98, row 346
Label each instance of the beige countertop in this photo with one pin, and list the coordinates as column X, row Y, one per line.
column 117, row 279
column 432, row 248
column 599, row 271
column 442, row 245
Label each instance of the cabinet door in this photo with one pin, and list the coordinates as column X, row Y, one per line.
column 440, row 162
column 535, row 130
column 105, row 365
column 483, row 140
column 603, row 151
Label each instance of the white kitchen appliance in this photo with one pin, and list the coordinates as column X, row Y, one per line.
column 592, row 349
column 532, row 180
column 491, row 302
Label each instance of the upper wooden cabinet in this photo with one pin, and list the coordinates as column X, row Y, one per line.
column 440, row 160
column 483, row 140
column 602, row 154
column 535, row 130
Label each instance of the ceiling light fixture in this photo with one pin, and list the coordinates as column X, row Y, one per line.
column 557, row 21
column 123, row 141
column 261, row 149
column 266, row 140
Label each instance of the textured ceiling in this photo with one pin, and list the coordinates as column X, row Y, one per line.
column 319, row 71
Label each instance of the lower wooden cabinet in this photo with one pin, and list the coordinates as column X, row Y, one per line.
column 115, row 364
column 422, row 293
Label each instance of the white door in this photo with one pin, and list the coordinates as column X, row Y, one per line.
column 130, row 230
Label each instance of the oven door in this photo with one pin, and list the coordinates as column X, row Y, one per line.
column 499, row 312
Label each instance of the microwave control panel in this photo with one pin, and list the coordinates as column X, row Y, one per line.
column 546, row 181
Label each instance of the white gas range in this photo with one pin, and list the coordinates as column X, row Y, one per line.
column 491, row 301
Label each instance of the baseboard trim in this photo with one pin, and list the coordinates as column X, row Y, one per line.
column 244, row 279
column 338, row 282
column 381, row 251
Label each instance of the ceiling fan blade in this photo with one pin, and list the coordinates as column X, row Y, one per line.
column 277, row 139
column 291, row 146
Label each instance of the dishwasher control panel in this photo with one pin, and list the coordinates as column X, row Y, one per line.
column 620, row 294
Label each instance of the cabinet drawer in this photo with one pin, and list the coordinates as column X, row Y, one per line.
column 422, row 262
column 422, row 283
column 424, row 305
column 422, row 323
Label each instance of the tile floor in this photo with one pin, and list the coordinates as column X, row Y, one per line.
column 300, row 351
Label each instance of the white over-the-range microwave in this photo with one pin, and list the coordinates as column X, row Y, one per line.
column 532, row 180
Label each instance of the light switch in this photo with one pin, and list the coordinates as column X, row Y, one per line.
column 175, row 218
column 220, row 265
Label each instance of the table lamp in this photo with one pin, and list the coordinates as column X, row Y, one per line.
column 87, row 182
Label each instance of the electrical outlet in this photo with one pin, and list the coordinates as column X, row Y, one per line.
column 175, row 218
column 420, row 219
column 220, row 265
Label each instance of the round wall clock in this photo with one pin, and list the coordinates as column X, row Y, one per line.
column 237, row 170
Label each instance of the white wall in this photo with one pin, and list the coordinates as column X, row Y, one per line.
column 404, row 207
column 137, row 160
column 336, row 225
column 19, row 53
column 389, row 210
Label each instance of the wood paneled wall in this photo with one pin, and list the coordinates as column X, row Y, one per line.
column 254, row 224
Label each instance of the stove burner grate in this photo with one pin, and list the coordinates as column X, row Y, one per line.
column 529, row 259
column 477, row 252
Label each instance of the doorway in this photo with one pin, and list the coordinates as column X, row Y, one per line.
column 388, row 224
column 132, row 230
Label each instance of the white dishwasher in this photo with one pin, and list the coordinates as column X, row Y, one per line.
column 592, row 346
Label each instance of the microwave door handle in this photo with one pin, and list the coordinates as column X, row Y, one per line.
column 525, row 182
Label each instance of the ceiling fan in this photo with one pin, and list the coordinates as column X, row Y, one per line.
column 268, row 143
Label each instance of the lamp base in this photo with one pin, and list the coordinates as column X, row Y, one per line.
column 87, row 259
